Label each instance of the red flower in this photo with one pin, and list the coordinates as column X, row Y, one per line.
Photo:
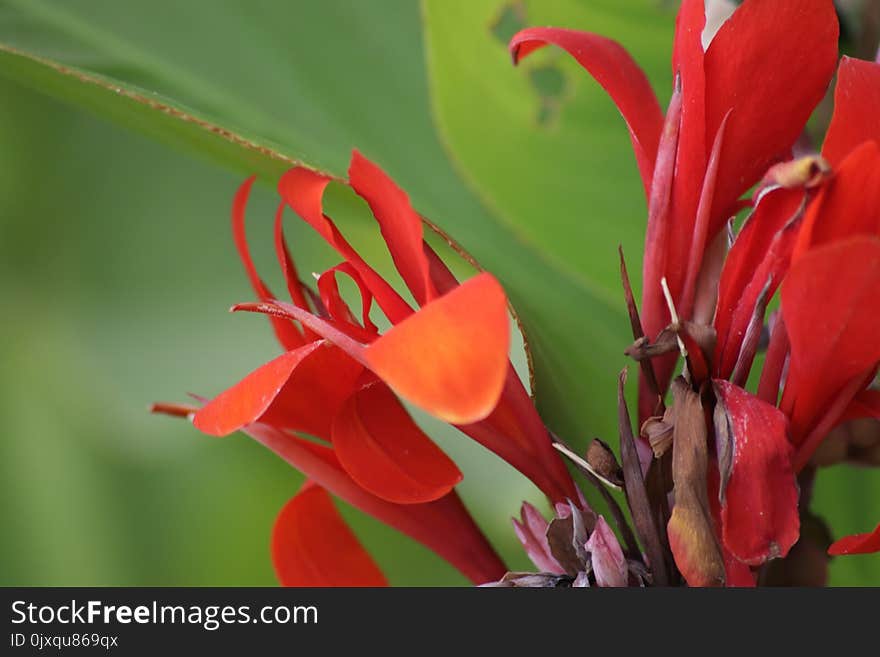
column 339, row 381
column 816, row 231
column 737, row 107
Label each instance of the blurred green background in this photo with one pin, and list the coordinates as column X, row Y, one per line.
column 117, row 266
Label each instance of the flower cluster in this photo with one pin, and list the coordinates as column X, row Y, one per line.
column 717, row 480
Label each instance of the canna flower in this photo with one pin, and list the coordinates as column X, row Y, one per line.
column 814, row 231
column 737, row 106
column 331, row 405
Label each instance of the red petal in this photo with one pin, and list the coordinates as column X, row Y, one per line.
column 300, row 390
column 286, row 332
column 303, row 189
column 450, row 358
column 619, row 75
column 693, row 146
column 758, row 258
column 312, row 545
column 737, row 574
column 865, row 405
column 658, row 241
column 658, row 236
column 444, row 526
column 384, row 451
column 291, row 276
column 831, row 305
column 759, row 504
column 770, row 63
column 856, row 100
column 401, row 225
column 698, row 237
column 857, row 544
column 336, row 306
column 848, row 205
column 315, row 391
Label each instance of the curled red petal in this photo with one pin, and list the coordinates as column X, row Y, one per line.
column 287, row 334
column 328, row 288
column 856, row 103
column 303, row 190
column 401, row 226
column 383, row 449
column 301, row 390
column 615, row 70
column 312, row 545
column 288, row 268
column 857, row 544
column 759, row 495
column 770, row 63
column 450, row 358
column 831, row 305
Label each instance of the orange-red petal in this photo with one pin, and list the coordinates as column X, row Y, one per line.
column 383, row 449
column 301, row 390
column 401, row 226
column 450, row 358
column 287, row 333
column 312, row 545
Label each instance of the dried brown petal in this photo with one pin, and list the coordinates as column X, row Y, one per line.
column 567, row 537
column 658, row 431
column 643, row 349
column 691, row 532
